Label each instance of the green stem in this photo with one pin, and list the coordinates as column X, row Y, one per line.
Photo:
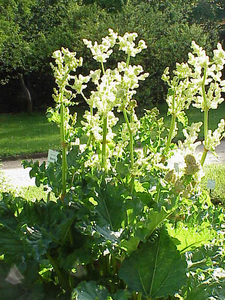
column 206, row 119
column 131, row 139
column 61, row 278
column 172, row 127
column 172, row 124
column 104, row 134
column 131, row 147
column 158, row 192
column 128, row 61
column 104, row 143
column 103, row 69
column 204, row 154
column 90, row 139
column 64, row 148
column 113, row 263
column 139, row 296
column 205, row 151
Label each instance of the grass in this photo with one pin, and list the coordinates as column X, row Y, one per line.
column 215, row 172
column 29, row 193
column 23, row 134
column 195, row 115
column 32, row 193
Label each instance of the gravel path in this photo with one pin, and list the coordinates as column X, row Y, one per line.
column 20, row 177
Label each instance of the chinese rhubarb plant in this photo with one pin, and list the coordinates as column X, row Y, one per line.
column 127, row 222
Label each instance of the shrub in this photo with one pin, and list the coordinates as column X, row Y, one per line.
column 167, row 33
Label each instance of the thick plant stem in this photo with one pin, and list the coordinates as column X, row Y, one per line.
column 131, row 146
column 90, row 139
column 104, row 143
column 205, row 151
column 64, row 149
column 206, row 119
column 204, row 154
column 172, row 127
column 103, row 69
column 128, row 61
column 137, row 296
column 61, row 278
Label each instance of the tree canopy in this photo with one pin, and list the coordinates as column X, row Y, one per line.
column 30, row 31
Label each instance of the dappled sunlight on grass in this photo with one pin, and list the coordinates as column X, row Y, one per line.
column 25, row 134
column 215, row 172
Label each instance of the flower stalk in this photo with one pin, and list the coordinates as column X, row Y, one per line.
column 104, row 143
column 64, row 148
column 131, row 145
column 206, row 119
column 172, row 125
column 170, row 136
column 131, row 139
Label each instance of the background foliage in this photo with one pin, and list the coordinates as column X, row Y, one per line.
column 31, row 30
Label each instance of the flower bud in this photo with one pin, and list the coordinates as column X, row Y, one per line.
column 179, row 186
column 191, row 165
column 170, row 176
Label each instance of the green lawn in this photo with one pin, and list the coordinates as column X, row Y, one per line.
column 27, row 134
column 217, row 173
column 23, row 134
column 195, row 115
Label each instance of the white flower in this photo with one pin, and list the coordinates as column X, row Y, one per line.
column 218, row 273
column 191, row 135
column 213, row 138
column 128, row 46
column 219, row 57
column 79, row 81
column 101, row 52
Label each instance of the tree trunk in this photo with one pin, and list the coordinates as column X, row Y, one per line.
column 27, row 94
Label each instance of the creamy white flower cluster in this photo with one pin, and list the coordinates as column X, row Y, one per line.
column 128, row 46
column 191, row 135
column 65, row 63
column 180, row 94
column 115, row 88
column 198, row 82
column 206, row 77
column 213, row 138
column 103, row 51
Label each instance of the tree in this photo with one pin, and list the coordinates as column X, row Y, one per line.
column 30, row 31
column 24, row 24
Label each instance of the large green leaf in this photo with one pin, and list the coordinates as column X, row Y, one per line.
column 156, row 269
column 207, row 291
column 191, row 237
column 206, row 279
column 90, row 291
column 20, row 281
column 10, row 242
column 120, row 295
column 152, row 221
column 111, row 209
